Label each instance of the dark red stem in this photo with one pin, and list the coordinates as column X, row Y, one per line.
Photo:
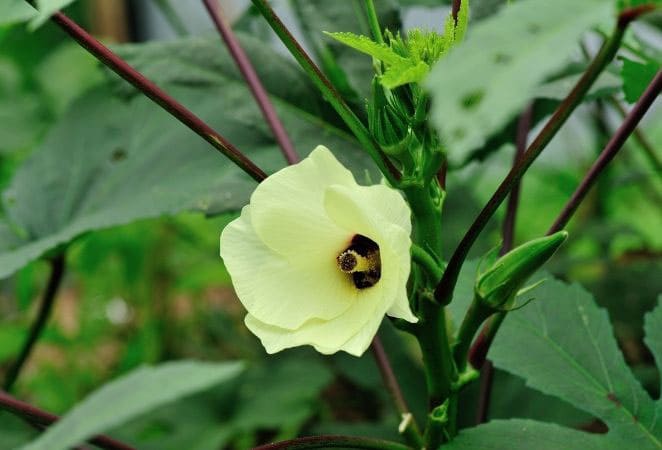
column 37, row 327
column 481, row 346
column 611, row 149
column 42, row 419
column 508, row 232
column 151, row 90
column 444, row 290
column 252, row 79
column 385, row 369
column 455, row 9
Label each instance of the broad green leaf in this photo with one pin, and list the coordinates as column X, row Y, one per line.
column 485, row 81
column 653, row 339
column 109, row 161
column 12, row 11
column 130, row 396
column 520, row 434
column 562, row 344
column 636, row 77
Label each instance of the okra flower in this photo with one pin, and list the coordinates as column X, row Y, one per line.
column 317, row 259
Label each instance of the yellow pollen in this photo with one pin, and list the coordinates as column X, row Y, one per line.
column 350, row 261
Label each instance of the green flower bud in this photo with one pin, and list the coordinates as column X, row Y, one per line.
column 500, row 283
column 387, row 120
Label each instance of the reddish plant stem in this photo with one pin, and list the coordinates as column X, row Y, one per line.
column 331, row 441
column 252, row 79
column 444, row 290
column 388, row 376
column 611, row 149
column 42, row 419
column 328, row 91
column 481, row 346
column 151, row 90
column 641, row 138
column 411, row 431
column 508, row 232
column 455, row 9
column 46, row 305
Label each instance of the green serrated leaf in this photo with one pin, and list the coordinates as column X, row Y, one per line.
column 485, row 81
column 563, row 345
column 397, row 75
column 130, row 396
column 520, row 434
column 636, row 77
column 366, row 45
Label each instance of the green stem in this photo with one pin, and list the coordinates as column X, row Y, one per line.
column 444, row 290
column 425, row 202
column 427, row 262
column 373, row 22
column 328, row 91
column 334, row 442
column 45, row 307
column 475, row 316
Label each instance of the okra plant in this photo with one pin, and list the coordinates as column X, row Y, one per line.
column 349, row 236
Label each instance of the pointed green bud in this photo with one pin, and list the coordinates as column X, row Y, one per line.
column 500, row 283
column 387, row 120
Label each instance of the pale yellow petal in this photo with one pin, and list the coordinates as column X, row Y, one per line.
column 288, row 212
column 343, row 206
column 273, row 289
column 326, row 336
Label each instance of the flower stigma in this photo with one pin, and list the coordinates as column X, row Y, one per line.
column 361, row 260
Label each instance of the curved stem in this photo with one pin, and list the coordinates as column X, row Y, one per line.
column 373, row 21
column 252, row 79
column 45, row 307
column 444, row 290
column 328, row 91
column 334, row 442
column 426, row 261
column 611, row 149
column 151, row 90
column 411, row 430
column 41, row 419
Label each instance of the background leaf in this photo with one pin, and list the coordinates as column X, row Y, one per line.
column 636, row 77
column 130, row 396
column 12, row 11
column 484, row 82
column 562, row 344
column 111, row 161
